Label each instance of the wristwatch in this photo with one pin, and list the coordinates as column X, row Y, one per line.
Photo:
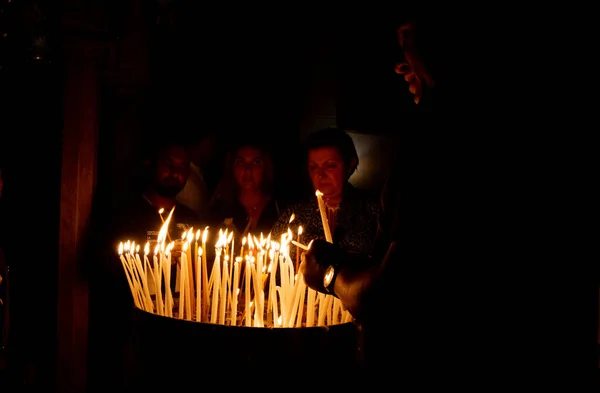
column 329, row 278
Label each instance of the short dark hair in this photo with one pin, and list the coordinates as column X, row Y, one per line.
column 334, row 137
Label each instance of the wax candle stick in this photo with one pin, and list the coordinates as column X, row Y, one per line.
column 148, row 267
column 248, row 280
column 198, row 284
column 190, row 265
column 158, row 275
column 324, row 220
column 223, row 291
column 298, row 249
column 183, row 284
column 310, row 307
column 235, row 291
column 302, row 290
column 204, row 269
column 216, row 287
column 144, row 281
column 129, row 281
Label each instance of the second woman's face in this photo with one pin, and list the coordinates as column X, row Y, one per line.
column 248, row 167
column 327, row 171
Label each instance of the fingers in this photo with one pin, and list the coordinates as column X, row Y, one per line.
column 402, row 68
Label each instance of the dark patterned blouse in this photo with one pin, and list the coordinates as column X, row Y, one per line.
column 356, row 222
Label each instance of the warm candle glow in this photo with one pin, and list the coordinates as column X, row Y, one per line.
column 274, row 293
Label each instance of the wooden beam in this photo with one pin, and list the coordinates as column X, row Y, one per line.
column 79, row 167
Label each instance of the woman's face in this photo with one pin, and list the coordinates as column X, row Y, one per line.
column 327, row 171
column 248, row 168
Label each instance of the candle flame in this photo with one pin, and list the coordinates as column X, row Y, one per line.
column 120, row 248
column 137, row 249
column 244, row 241
column 200, row 251
column 250, row 242
column 190, row 235
column 204, row 235
column 238, row 259
column 185, row 246
column 156, row 249
column 310, row 244
column 299, row 230
column 162, row 234
column 258, row 245
column 147, row 248
column 229, row 237
column 197, row 234
column 161, row 210
column 318, row 193
column 292, row 217
column 183, row 235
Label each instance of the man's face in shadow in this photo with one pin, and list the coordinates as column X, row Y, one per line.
column 172, row 171
column 413, row 68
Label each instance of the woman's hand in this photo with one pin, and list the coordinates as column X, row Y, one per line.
column 315, row 261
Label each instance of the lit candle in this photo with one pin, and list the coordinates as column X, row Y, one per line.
column 183, row 283
column 235, row 291
column 248, row 279
column 216, row 273
column 158, row 275
column 168, row 266
column 150, row 278
column 242, row 249
column 129, row 281
column 190, row 266
column 223, row 301
column 204, row 269
column 144, row 279
column 324, row 220
column 198, row 284
column 298, row 248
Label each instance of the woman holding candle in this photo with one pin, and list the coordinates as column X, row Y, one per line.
column 351, row 214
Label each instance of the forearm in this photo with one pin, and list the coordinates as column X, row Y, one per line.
column 358, row 287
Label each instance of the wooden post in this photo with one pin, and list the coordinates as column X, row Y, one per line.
column 79, row 164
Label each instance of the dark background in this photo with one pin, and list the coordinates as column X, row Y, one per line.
column 166, row 67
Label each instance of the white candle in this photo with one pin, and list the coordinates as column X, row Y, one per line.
column 204, row 277
column 248, row 283
column 235, row 290
column 216, row 273
column 129, row 281
column 158, row 275
column 168, row 293
column 198, row 285
column 223, row 301
column 310, row 307
column 150, row 278
column 324, row 220
column 183, row 284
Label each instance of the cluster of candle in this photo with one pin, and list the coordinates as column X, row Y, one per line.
column 257, row 287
